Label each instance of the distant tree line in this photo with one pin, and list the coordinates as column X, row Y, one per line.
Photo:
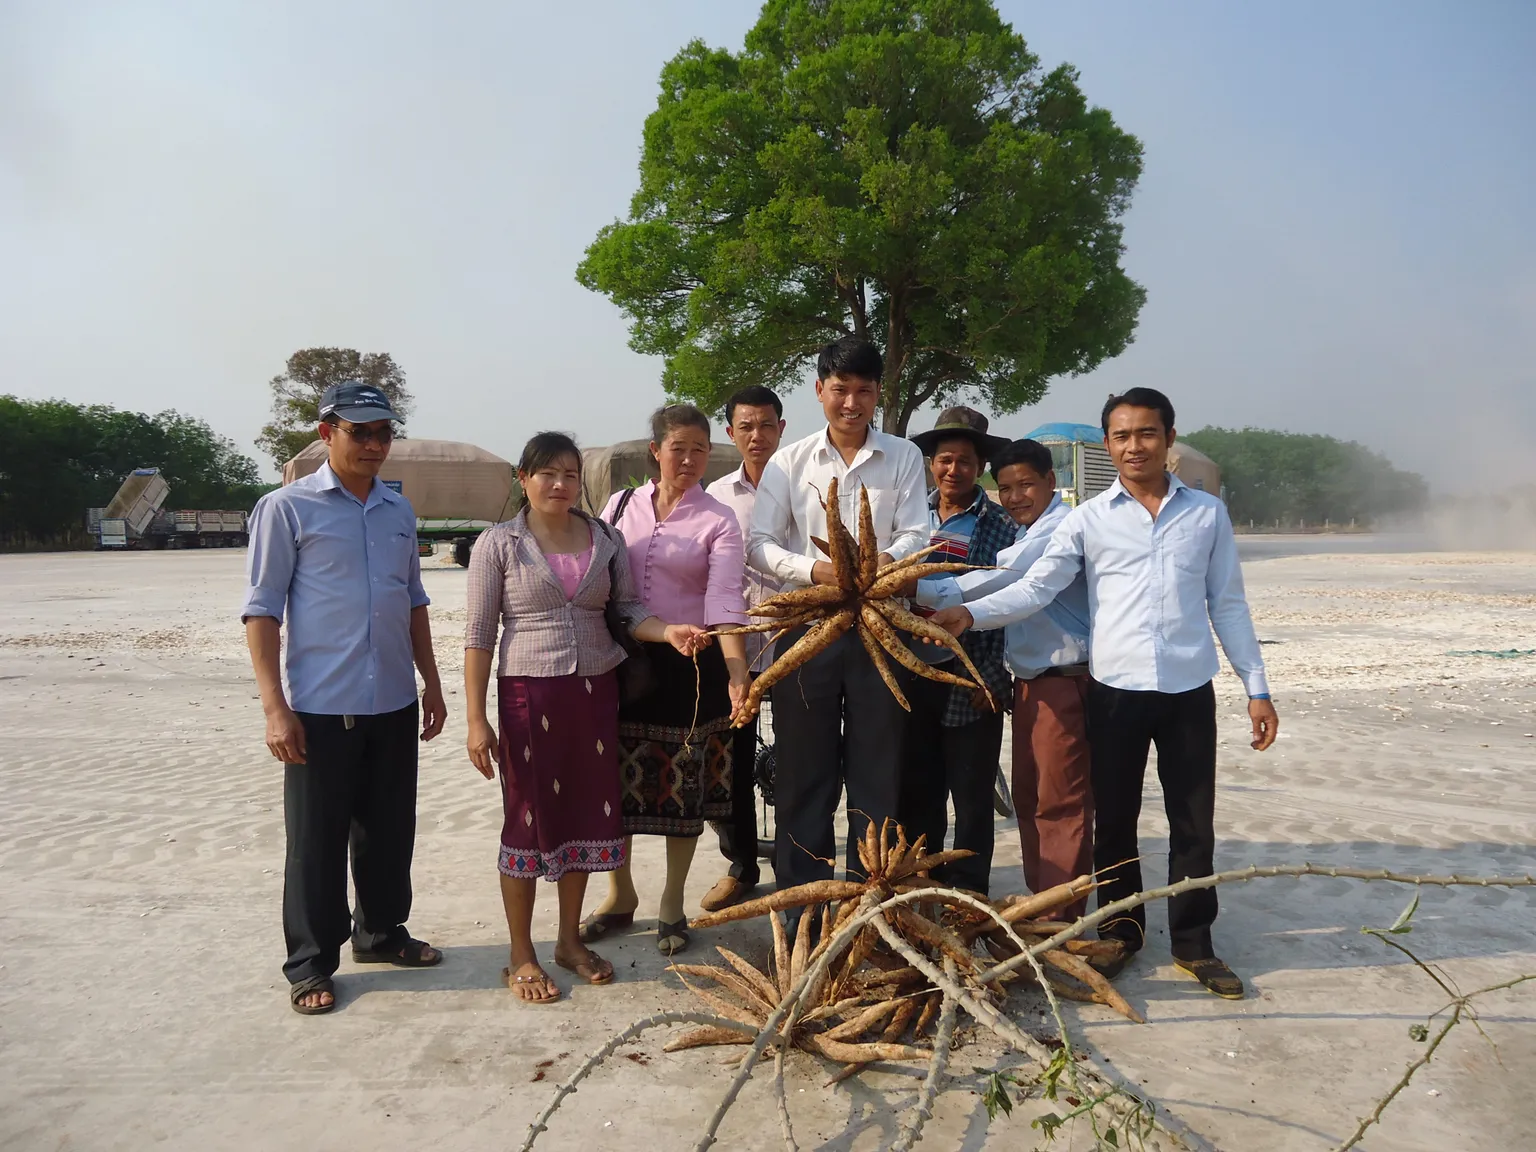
column 1294, row 480
column 58, row 459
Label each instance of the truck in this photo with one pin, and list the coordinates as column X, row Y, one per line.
column 1083, row 467
column 135, row 519
column 201, row 528
column 456, row 490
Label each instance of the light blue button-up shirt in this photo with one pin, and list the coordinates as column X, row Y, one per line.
column 347, row 574
column 1055, row 637
column 1155, row 590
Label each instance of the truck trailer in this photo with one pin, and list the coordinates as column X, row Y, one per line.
column 456, row 490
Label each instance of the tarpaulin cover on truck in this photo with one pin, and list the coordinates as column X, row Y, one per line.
column 443, row 479
column 606, row 470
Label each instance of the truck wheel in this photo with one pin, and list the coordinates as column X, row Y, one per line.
column 461, row 553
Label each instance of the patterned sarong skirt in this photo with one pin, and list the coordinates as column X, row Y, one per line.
column 559, row 775
column 675, row 769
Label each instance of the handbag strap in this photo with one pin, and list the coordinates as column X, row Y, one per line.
column 618, row 514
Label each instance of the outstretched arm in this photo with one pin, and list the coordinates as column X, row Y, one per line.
column 1046, row 579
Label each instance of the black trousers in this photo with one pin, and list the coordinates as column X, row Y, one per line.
column 358, row 789
column 1121, row 726
column 738, row 837
column 939, row 763
column 818, row 755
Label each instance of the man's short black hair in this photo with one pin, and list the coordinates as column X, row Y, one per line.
column 850, row 356
column 753, row 396
column 1139, row 398
column 1030, row 453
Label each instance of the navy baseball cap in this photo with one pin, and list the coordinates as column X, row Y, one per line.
column 357, row 402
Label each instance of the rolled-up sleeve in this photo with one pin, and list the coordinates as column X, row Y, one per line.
column 483, row 590
column 723, row 600
column 269, row 564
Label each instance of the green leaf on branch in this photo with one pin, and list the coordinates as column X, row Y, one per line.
column 1401, row 925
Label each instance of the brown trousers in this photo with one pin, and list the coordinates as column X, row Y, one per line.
column 1052, row 782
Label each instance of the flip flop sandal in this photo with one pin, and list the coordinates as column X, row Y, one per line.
column 542, row 978
column 672, row 938
column 303, row 988
column 409, row 955
column 600, row 924
column 1214, row 976
column 592, row 973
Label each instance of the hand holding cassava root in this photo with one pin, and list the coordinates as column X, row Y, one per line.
column 861, row 597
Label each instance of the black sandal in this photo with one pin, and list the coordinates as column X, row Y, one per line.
column 667, row 933
column 408, row 955
column 1214, row 976
column 600, row 924
column 303, row 988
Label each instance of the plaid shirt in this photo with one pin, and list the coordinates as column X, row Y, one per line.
column 995, row 530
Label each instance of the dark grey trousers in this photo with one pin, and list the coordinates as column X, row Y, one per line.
column 818, row 755
column 1122, row 725
column 958, row 762
column 357, row 791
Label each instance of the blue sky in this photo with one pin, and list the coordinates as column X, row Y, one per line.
column 1333, row 225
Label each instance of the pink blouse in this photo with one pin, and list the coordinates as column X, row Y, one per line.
column 687, row 568
column 570, row 567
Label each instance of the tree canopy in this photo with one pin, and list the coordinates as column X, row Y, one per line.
column 897, row 169
column 309, row 372
column 58, row 459
column 1290, row 479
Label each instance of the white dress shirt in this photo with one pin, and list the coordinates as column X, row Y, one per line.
column 1155, row 589
column 740, row 495
column 1057, row 636
column 789, row 512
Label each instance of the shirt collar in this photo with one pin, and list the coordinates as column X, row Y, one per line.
column 871, row 444
column 327, row 480
column 976, row 504
column 1056, row 504
column 739, row 477
column 1117, row 489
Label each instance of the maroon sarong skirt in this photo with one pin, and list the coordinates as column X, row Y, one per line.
column 559, row 775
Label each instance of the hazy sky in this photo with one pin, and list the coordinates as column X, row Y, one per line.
column 1334, row 225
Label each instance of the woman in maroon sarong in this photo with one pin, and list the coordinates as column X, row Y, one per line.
column 545, row 578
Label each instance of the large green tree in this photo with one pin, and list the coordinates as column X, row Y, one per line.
column 1293, row 479
column 898, row 169
column 58, row 459
column 309, row 372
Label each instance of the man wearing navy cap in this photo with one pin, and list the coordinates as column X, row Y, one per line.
column 335, row 552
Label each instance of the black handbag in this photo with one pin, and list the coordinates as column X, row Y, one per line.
column 636, row 675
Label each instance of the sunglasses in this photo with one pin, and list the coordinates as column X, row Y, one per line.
column 379, row 436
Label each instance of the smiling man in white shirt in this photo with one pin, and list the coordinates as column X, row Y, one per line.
column 1162, row 570
column 817, row 753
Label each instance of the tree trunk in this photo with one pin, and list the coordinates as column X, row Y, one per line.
column 893, row 411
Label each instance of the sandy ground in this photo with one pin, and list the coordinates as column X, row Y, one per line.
column 141, row 1002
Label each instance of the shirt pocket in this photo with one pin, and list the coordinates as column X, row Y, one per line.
column 1187, row 544
column 399, row 547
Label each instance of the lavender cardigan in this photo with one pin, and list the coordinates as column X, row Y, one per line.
column 543, row 633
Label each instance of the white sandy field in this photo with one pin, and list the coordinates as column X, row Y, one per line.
column 141, row 846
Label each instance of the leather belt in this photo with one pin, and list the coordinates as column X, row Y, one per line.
column 1066, row 670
